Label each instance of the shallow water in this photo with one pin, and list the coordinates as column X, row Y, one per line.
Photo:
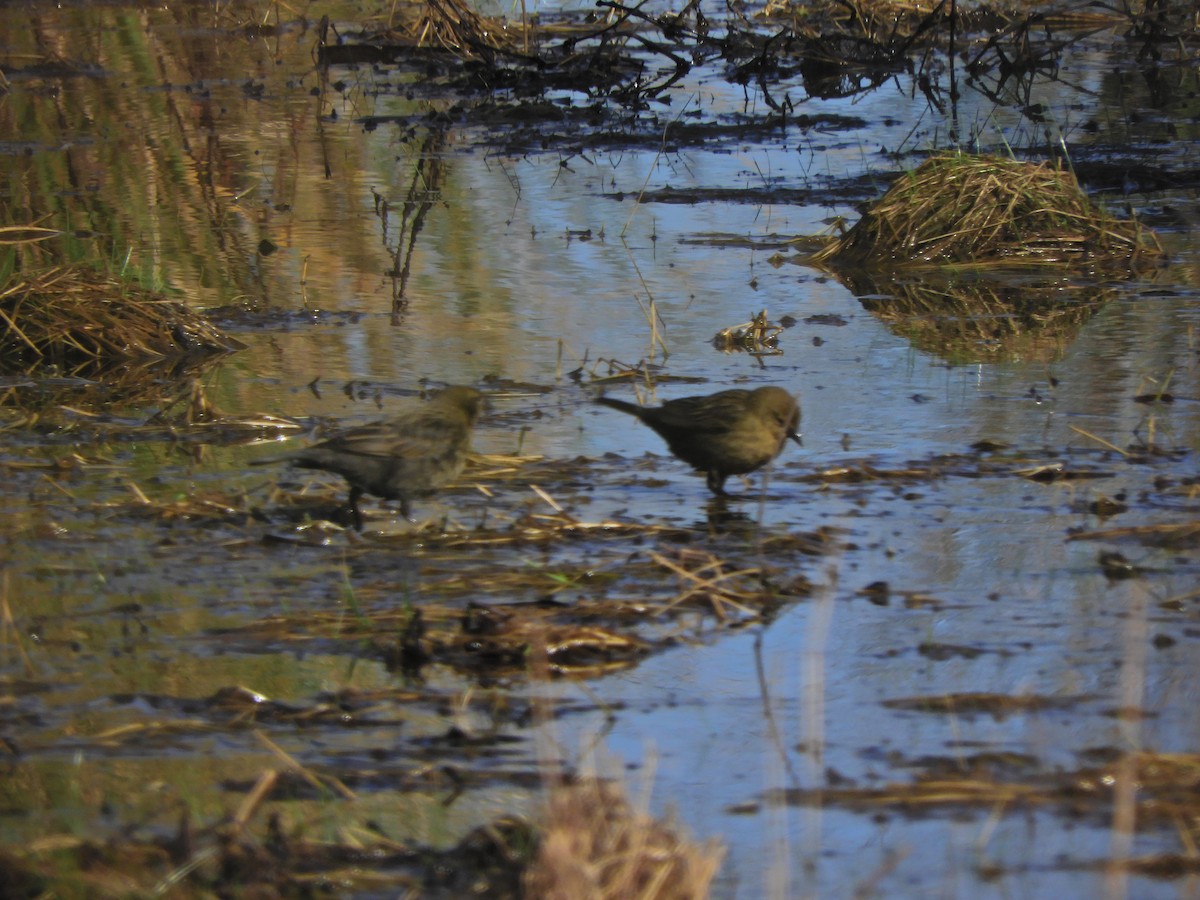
column 182, row 145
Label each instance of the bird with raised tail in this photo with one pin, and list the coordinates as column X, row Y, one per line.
column 728, row 433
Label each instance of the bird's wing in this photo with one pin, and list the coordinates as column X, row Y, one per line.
column 407, row 438
column 697, row 415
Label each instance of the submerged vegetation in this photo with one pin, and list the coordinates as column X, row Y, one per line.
column 508, row 601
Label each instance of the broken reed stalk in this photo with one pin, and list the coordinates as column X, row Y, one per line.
column 649, row 309
column 10, row 627
column 25, row 234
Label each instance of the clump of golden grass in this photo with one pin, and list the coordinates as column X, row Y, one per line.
column 73, row 318
column 454, row 26
column 596, row 846
column 984, row 210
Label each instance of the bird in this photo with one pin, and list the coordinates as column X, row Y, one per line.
column 402, row 458
column 728, row 433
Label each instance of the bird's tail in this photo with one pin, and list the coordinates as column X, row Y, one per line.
column 273, row 460
column 623, row 405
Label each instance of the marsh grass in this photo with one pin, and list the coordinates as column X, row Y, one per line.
column 457, row 27
column 82, row 321
column 985, row 211
column 595, row 845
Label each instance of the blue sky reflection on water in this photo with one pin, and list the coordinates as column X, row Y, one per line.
column 1032, row 611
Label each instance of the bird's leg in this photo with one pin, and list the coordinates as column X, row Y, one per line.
column 355, row 496
column 716, row 483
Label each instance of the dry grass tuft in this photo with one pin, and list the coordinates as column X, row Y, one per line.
column 76, row 319
column 454, row 26
column 986, row 210
column 596, row 846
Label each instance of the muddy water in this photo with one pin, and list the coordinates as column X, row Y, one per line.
column 171, row 146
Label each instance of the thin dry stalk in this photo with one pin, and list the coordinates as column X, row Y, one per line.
column 317, row 781
column 706, row 586
column 1099, row 440
column 252, row 801
column 1131, row 687
column 25, row 234
column 10, row 627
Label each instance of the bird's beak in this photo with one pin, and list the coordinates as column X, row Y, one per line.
column 796, row 436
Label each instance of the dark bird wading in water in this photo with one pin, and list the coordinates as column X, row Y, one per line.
column 409, row 456
column 727, row 433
